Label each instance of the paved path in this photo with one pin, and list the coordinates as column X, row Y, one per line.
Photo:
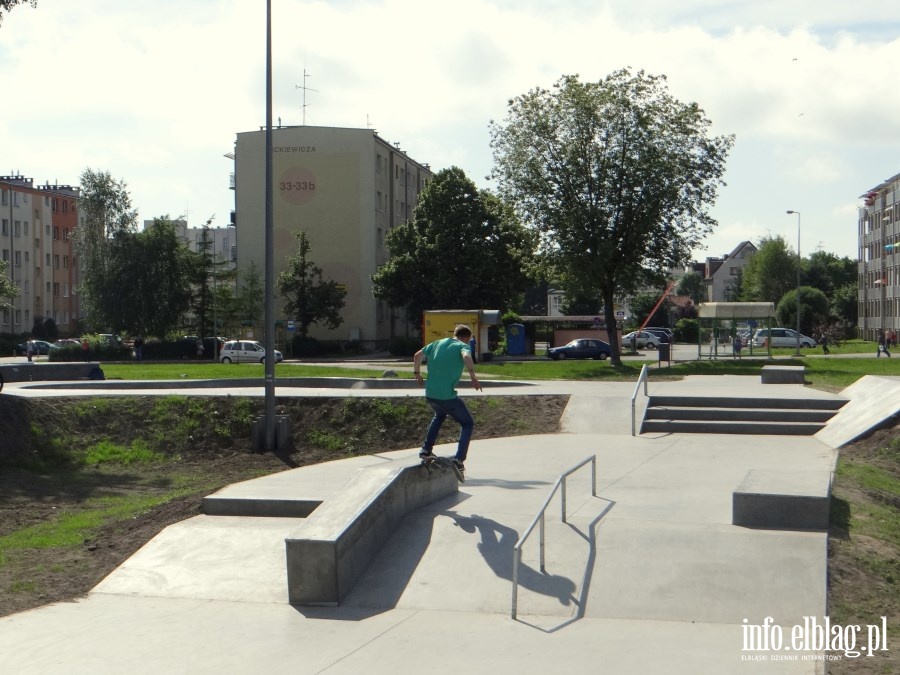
column 648, row 577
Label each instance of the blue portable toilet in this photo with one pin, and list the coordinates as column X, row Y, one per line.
column 515, row 339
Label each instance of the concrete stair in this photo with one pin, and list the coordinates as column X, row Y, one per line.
column 744, row 415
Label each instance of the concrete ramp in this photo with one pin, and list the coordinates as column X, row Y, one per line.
column 872, row 402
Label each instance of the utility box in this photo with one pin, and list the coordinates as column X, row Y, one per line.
column 515, row 339
column 439, row 323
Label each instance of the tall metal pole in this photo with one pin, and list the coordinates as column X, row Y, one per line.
column 270, row 238
column 798, row 279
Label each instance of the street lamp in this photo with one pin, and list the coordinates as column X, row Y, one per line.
column 798, row 278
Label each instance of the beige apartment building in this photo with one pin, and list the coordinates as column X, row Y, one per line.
column 346, row 188
column 879, row 259
column 36, row 228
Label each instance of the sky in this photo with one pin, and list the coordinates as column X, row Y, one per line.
column 154, row 93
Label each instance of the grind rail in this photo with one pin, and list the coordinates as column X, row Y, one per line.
column 539, row 518
column 645, row 373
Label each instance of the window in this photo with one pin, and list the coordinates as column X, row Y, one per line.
column 733, row 271
column 55, row 289
column 65, row 206
column 56, row 262
column 55, row 205
column 56, row 234
column 66, row 234
column 18, row 312
column 25, row 228
column 25, row 287
column 6, row 254
column 4, row 199
column 17, row 227
column 65, row 290
column 48, row 260
column 4, row 227
column 27, row 257
column 18, row 258
column 65, row 262
column 378, row 163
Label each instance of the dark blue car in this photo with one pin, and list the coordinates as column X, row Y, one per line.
column 582, row 348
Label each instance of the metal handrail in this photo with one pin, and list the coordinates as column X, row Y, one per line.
column 643, row 378
column 517, row 549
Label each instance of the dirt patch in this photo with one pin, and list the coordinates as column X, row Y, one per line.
column 203, row 444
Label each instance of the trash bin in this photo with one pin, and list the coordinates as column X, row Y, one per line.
column 665, row 352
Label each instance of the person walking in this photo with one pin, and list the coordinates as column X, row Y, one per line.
column 446, row 359
column 823, row 340
column 883, row 345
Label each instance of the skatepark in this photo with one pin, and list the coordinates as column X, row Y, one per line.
column 651, row 575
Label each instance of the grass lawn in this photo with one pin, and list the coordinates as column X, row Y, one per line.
column 830, row 373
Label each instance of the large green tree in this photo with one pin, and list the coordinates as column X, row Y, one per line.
column 104, row 205
column 616, row 175
column 147, row 288
column 692, row 285
column 814, row 310
column 8, row 288
column 770, row 272
column 6, row 5
column 463, row 249
column 310, row 298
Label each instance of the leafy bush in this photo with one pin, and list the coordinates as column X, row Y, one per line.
column 687, row 330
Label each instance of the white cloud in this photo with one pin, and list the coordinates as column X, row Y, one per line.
column 157, row 95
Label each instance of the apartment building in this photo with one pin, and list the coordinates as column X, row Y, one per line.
column 345, row 188
column 879, row 259
column 36, row 224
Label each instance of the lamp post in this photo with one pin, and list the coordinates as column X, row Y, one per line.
column 798, row 278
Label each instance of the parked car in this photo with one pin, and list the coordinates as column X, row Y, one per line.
column 582, row 348
column 642, row 340
column 664, row 334
column 245, row 351
column 68, row 342
column 781, row 337
column 37, row 347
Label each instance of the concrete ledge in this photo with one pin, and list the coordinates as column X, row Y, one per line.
column 784, row 500
column 783, row 375
column 38, row 371
column 337, row 542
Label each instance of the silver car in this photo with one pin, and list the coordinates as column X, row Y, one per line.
column 642, row 340
column 245, row 351
column 781, row 337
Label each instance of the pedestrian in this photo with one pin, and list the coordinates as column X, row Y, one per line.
column 29, row 349
column 883, row 345
column 737, row 345
column 139, row 348
column 85, row 349
column 472, row 345
column 446, row 359
column 823, row 340
column 891, row 339
column 199, row 349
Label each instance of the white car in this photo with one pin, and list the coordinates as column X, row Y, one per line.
column 781, row 337
column 245, row 351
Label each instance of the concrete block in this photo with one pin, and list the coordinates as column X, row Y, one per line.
column 335, row 545
column 783, row 375
column 784, row 500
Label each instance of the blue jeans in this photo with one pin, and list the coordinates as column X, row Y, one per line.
column 456, row 409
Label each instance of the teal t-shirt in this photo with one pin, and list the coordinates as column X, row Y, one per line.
column 445, row 366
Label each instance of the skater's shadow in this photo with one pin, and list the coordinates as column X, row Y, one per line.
column 496, row 547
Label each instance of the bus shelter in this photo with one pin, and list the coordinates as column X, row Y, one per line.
column 722, row 322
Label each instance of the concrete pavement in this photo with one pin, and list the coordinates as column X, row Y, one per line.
column 650, row 576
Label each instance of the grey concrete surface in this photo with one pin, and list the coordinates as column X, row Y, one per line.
column 871, row 401
column 783, row 499
column 650, row 576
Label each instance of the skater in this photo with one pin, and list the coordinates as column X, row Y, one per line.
column 446, row 359
column 883, row 345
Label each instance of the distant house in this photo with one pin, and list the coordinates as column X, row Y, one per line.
column 722, row 275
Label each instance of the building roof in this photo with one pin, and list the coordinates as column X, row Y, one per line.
column 736, row 310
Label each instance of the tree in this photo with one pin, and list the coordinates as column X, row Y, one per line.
column 310, row 299
column 147, row 288
column 814, row 309
column 250, row 296
column 642, row 305
column 464, row 248
column 7, row 5
column 770, row 273
column 616, row 175
column 8, row 288
column 845, row 306
column 106, row 213
column 692, row 284
column 827, row 272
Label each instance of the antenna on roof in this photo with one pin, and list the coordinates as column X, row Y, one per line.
column 305, row 89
